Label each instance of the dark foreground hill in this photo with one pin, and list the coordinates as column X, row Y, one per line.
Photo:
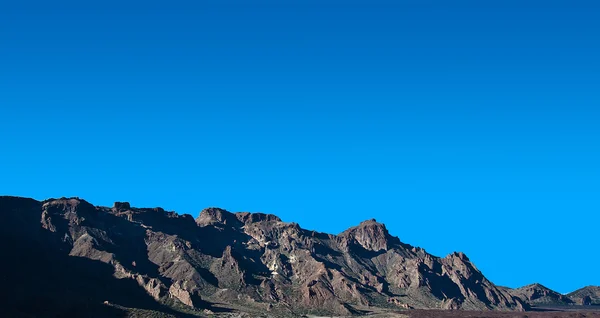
column 66, row 257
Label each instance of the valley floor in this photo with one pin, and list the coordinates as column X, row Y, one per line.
column 555, row 312
column 499, row 314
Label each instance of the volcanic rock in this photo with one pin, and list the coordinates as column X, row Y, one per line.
column 537, row 294
column 242, row 260
column 589, row 295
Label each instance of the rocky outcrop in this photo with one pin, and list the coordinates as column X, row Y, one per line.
column 121, row 206
column 179, row 291
column 212, row 216
column 585, row 301
column 370, row 235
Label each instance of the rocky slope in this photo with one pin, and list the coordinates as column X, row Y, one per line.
column 589, row 295
column 69, row 255
column 539, row 295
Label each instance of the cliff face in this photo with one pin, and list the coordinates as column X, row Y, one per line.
column 244, row 259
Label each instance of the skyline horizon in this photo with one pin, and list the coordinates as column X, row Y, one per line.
column 468, row 125
column 474, row 261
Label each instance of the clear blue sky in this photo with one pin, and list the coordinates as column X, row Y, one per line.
column 462, row 125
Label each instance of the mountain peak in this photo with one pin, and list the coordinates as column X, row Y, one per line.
column 460, row 255
column 121, row 206
column 248, row 217
column 73, row 201
column 211, row 216
column 535, row 285
column 539, row 294
column 370, row 222
column 214, row 215
column 588, row 295
column 370, row 234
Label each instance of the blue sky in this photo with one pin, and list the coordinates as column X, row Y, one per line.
column 461, row 125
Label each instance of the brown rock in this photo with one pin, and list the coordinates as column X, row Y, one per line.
column 183, row 295
column 256, row 260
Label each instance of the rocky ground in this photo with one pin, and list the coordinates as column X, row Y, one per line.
column 573, row 313
column 576, row 312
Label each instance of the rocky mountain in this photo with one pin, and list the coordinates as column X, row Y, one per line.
column 589, row 295
column 540, row 295
column 67, row 256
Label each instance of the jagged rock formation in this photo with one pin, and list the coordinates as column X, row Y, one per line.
column 589, row 295
column 537, row 294
column 244, row 259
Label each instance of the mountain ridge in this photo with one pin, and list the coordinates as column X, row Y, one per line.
column 538, row 294
column 255, row 260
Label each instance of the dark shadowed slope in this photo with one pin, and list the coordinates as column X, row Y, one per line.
column 40, row 278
